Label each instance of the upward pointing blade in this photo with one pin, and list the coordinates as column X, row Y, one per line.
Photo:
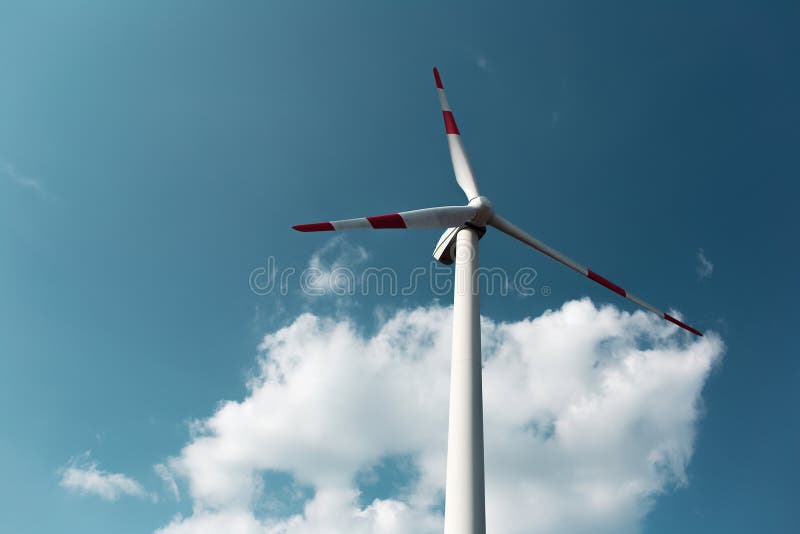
column 461, row 166
column 506, row 227
column 441, row 217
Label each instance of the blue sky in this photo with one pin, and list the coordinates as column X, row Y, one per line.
column 152, row 154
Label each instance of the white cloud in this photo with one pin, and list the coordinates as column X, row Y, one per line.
column 21, row 179
column 169, row 480
column 590, row 414
column 329, row 269
column 704, row 266
column 82, row 475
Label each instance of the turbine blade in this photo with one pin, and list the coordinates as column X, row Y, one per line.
column 461, row 167
column 441, row 217
column 507, row 228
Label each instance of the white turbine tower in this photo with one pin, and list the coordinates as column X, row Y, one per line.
column 464, row 489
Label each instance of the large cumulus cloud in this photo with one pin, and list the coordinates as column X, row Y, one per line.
column 590, row 414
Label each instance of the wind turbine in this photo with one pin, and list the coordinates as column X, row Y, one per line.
column 464, row 490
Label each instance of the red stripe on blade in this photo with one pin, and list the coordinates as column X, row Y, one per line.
column 682, row 325
column 392, row 220
column 314, row 227
column 608, row 283
column 450, row 123
column 438, row 79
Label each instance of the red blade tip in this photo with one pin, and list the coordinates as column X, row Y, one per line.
column 314, row 227
column 682, row 324
column 438, row 79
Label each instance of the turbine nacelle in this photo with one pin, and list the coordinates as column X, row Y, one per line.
column 445, row 250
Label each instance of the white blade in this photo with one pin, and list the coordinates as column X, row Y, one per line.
column 441, row 217
column 461, row 166
column 506, row 227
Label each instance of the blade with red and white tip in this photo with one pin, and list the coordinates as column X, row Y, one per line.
column 507, row 228
column 441, row 217
column 461, row 167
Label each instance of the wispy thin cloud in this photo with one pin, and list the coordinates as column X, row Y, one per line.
column 82, row 475
column 705, row 268
column 11, row 172
column 169, row 480
column 330, row 266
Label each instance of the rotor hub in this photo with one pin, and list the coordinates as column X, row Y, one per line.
column 485, row 210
